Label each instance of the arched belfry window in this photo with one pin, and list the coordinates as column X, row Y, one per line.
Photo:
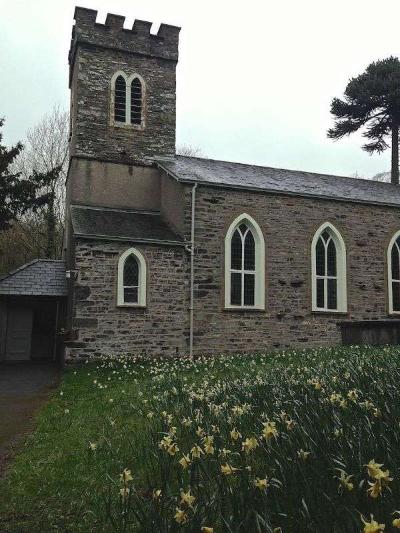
column 136, row 101
column 127, row 100
column 244, row 265
column 120, row 99
column 132, row 279
column 394, row 273
column 328, row 254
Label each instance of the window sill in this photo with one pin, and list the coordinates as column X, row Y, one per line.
column 127, row 126
column 329, row 312
column 244, row 309
column 132, row 306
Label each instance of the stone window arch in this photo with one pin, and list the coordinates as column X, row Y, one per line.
column 328, row 258
column 393, row 262
column 132, row 279
column 127, row 100
column 244, row 265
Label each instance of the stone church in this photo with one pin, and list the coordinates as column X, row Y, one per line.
column 173, row 255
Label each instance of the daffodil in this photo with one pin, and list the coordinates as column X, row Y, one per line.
column 205, row 529
column 156, row 494
column 372, row 526
column 235, row 435
column 396, row 523
column 228, row 469
column 185, row 461
column 269, row 431
column 173, row 449
column 126, row 476
column 303, row 454
column 124, row 492
column 180, row 516
column 344, row 481
column 249, row 445
column 187, row 498
column 92, row 446
column 196, row 452
column 261, row 484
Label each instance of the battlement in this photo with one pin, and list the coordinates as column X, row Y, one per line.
column 113, row 35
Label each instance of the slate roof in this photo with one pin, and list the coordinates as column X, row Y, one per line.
column 279, row 181
column 121, row 224
column 41, row 277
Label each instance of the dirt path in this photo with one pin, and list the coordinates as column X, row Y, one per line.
column 24, row 387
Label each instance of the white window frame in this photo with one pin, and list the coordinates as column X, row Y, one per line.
column 128, row 82
column 142, row 282
column 390, row 279
column 341, row 270
column 259, row 271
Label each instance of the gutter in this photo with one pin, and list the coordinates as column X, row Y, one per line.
column 191, row 250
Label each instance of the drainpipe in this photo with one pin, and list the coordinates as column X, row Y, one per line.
column 191, row 307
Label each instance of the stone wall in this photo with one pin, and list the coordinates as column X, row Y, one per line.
column 97, row 52
column 288, row 224
column 103, row 328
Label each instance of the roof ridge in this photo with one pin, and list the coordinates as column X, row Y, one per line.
column 22, row 267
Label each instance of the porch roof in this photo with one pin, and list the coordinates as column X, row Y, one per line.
column 41, row 277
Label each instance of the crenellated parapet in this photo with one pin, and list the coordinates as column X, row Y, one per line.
column 113, row 35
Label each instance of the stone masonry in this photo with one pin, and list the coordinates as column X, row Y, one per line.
column 104, row 328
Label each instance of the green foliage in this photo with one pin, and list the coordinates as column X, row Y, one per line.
column 371, row 100
column 305, row 424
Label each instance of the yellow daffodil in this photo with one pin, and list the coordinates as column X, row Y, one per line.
column 228, row 470
column 249, row 445
column 196, row 452
column 180, row 516
column 344, row 481
column 352, row 395
column 187, row 422
column 156, row 494
column 269, row 430
column 126, row 476
column 261, row 484
column 187, row 498
column 289, row 424
column 124, row 492
column 173, row 449
column 205, row 529
column 375, row 489
column 235, row 435
column 185, row 461
column 200, row 431
column 92, row 446
column 372, row 526
column 396, row 523
column 373, row 468
column 303, row 455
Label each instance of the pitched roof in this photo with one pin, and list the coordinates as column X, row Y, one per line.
column 121, row 224
column 279, row 181
column 41, row 277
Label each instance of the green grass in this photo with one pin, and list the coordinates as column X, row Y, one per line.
column 312, row 418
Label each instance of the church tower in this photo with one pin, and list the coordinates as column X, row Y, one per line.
column 123, row 89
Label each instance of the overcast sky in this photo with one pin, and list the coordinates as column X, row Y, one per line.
column 254, row 81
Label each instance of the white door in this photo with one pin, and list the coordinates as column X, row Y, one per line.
column 19, row 333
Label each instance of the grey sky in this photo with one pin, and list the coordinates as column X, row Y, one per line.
column 255, row 79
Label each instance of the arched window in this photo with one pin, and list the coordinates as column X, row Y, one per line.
column 244, row 264
column 136, row 101
column 132, row 279
column 127, row 100
column 120, row 99
column 328, row 254
column 394, row 274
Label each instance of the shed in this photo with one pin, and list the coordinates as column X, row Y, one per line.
column 32, row 307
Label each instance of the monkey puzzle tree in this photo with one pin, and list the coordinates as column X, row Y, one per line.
column 372, row 100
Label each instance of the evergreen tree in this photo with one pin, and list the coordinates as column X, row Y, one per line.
column 372, row 100
column 17, row 194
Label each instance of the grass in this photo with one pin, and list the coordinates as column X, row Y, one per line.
column 283, row 442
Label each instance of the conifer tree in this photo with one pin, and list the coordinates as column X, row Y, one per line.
column 372, row 102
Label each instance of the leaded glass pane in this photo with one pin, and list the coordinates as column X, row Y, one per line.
column 136, row 101
column 243, row 228
column 131, row 272
column 249, row 286
column 249, row 252
column 320, row 257
column 395, row 262
column 331, row 258
column 236, row 251
column 326, row 236
column 332, row 294
column 320, row 293
column 131, row 295
column 396, row 296
column 236, row 289
column 120, row 100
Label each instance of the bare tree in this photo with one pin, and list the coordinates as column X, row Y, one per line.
column 189, row 150
column 40, row 233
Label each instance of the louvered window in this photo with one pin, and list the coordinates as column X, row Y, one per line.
column 136, row 101
column 120, row 100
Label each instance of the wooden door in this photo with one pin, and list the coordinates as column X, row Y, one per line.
column 19, row 333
